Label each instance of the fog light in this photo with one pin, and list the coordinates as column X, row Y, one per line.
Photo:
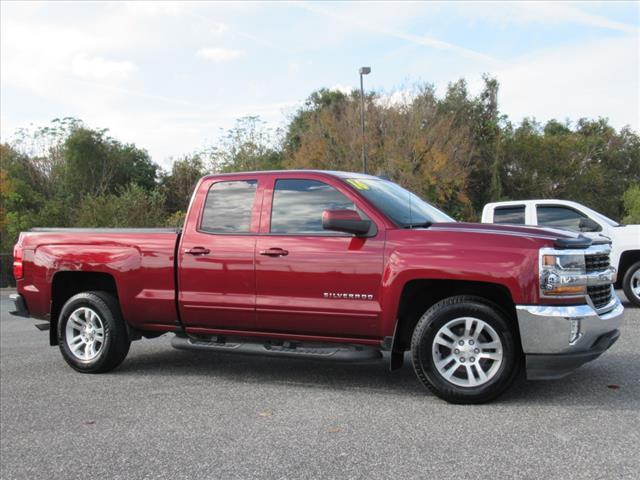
column 575, row 333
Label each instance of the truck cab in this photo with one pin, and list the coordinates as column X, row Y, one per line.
column 575, row 217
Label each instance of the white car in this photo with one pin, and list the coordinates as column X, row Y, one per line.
column 566, row 215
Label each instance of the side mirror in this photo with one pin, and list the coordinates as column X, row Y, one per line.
column 588, row 225
column 347, row 221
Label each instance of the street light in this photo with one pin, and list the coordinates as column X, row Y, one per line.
column 363, row 71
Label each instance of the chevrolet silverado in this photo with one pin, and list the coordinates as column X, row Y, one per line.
column 327, row 265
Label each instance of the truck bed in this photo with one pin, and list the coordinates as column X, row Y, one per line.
column 141, row 261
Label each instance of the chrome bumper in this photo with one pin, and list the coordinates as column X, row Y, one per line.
column 557, row 339
column 19, row 307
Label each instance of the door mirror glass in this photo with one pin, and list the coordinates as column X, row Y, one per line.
column 347, row 221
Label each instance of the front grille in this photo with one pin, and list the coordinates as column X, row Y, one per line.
column 600, row 295
column 597, row 262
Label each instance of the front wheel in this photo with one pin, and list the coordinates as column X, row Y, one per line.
column 91, row 332
column 464, row 350
column 631, row 284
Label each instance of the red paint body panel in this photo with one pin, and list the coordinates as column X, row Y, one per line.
column 308, row 294
column 142, row 265
column 290, row 289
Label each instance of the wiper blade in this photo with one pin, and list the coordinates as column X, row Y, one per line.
column 418, row 225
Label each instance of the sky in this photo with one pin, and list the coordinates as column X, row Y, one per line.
column 170, row 77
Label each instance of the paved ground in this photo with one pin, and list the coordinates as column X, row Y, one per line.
column 171, row 414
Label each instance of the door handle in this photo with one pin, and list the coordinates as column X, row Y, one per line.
column 197, row 251
column 274, row 252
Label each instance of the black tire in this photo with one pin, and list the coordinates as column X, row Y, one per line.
column 116, row 342
column 627, row 284
column 422, row 345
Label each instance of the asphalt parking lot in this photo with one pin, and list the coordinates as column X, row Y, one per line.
column 166, row 413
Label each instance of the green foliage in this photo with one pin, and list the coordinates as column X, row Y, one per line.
column 95, row 164
column 631, row 199
column 247, row 146
column 130, row 206
column 591, row 164
column 177, row 185
column 176, row 219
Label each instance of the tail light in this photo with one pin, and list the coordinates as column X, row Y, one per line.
column 18, row 270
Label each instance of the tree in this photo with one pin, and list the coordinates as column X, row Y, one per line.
column 130, row 206
column 592, row 164
column 95, row 164
column 249, row 145
column 177, row 185
column 631, row 199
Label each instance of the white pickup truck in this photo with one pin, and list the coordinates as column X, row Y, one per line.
column 566, row 215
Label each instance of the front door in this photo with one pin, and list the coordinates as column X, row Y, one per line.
column 310, row 281
column 217, row 255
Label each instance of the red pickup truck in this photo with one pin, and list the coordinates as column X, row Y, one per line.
column 327, row 265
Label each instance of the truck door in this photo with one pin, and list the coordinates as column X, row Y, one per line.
column 217, row 255
column 310, row 281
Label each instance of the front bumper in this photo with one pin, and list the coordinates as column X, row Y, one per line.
column 558, row 339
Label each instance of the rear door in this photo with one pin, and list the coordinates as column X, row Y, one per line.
column 310, row 281
column 217, row 255
column 509, row 214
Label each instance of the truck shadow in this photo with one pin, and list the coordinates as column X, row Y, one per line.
column 321, row 374
column 608, row 382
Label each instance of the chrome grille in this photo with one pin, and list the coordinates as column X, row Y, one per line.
column 600, row 295
column 597, row 262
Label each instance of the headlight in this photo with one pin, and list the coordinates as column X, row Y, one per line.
column 562, row 274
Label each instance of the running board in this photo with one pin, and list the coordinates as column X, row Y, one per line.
column 341, row 353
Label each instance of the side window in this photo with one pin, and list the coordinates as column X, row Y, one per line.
column 513, row 215
column 229, row 206
column 298, row 205
column 559, row 217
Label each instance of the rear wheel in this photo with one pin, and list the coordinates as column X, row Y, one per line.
column 631, row 284
column 464, row 350
column 91, row 332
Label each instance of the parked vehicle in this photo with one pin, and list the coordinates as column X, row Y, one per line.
column 566, row 215
column 327, row 265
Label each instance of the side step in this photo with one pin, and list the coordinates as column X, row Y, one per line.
column 325, row 351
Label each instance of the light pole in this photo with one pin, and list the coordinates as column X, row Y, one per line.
column 363, row 71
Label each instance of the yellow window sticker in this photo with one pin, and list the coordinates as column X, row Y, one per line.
column 360, row 185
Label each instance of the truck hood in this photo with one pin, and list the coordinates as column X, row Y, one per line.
column 513, row 230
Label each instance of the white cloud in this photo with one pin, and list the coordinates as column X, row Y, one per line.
column 593, row 79
column 548, row 13
column 345, row 89
column 219, row 54
column 101, row 69
column 377, row 18
column 164, row 8
column 219, row 28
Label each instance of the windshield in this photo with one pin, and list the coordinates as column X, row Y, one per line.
column 403, row 207
column 605, row 219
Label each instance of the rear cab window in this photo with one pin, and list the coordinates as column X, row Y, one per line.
column 513, row 215
column 228, row 207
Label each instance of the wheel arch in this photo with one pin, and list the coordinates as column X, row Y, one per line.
column 628, row 258
column 65, row 285
column 420, row 294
